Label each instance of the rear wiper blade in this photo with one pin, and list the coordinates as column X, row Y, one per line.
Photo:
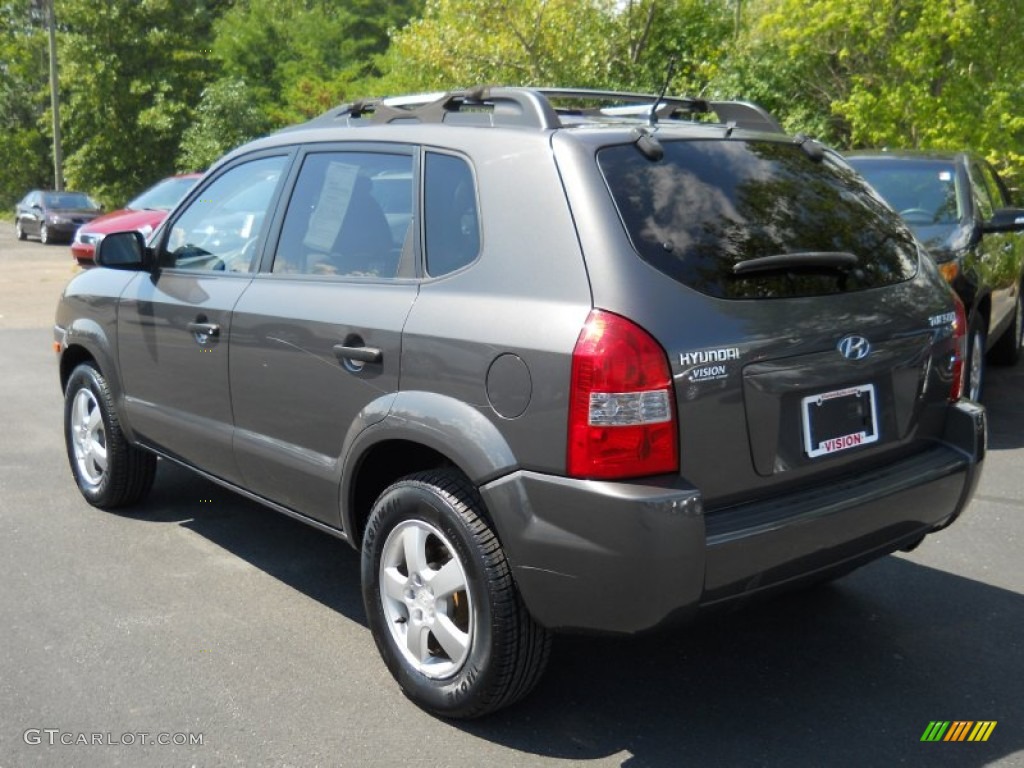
column 805, row 260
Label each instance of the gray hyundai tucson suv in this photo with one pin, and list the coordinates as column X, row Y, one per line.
column 551, row 360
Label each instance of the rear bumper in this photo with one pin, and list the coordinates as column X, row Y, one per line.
column 624, row 557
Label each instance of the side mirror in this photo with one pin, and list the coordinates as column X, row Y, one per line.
column 124, row 250
column 1005, row 220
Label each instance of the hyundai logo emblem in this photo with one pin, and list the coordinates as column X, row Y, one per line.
column 854, row 347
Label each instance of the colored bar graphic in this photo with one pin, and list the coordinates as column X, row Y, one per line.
column 958, row 730
column 982, row 730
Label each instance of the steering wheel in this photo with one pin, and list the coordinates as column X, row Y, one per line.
column 920, row 215
column 243, row 258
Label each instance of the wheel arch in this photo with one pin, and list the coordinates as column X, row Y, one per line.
column 422, row 431
column 86, row 342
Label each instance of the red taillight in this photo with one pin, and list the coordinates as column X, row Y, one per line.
column 621, row 415
column 956, row 391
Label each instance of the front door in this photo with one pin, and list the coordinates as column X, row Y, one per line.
column 174, row 326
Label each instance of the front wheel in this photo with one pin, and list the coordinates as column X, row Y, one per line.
column 108, row 470
column 44, row 234
column 440, row 600
column 19, row 230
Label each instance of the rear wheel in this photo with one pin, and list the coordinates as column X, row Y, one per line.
column 108, row 470
column 441, row 603
column 1006, row 350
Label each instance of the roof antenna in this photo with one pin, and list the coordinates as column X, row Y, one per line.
column 673, row 60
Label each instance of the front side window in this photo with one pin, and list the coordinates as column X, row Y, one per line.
column 996, row 191
column 709, row 205
column 350, row 215
column 219, row 230
column 982, row 198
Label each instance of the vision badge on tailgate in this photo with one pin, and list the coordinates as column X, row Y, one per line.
column 707, row 364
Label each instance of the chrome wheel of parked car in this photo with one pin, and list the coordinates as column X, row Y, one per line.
column 44, row 234
column 108, row 471
column 19, row 230
column 975, row 362
column 445, row 614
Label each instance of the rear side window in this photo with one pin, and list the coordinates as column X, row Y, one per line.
column 350, row 215
column 452, row 224
column 708, row 205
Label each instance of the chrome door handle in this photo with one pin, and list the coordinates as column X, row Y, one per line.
column 360, row 354
column 204, row 329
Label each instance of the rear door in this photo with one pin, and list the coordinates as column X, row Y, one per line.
column 316, row 339
column 174, row 326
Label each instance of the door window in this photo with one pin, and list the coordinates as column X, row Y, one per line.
column 982, row 198
column 450, row 214
column 220, row 229
column 350, row 215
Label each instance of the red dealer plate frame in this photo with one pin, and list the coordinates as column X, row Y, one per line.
column 839, row 420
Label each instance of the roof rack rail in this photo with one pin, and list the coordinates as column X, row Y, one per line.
column 534, row 108
column 627, row 103
column 482, row 105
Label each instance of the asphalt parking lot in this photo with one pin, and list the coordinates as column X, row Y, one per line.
column 204, row 617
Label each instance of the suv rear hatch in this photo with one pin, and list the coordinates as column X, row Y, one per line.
column 807, row 338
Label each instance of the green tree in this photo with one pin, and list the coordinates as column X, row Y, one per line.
column 226, row 117
column 906, row 73
column 583, row 43
column 298, row 59
column 131, row 73
column 25, row 154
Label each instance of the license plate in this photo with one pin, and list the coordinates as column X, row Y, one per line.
column 839, row 420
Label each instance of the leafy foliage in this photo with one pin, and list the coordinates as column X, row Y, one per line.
column 148, row 86
column 901, row 73
column 298, row 59
column 25, row 160
column 585, row 43
column 130, row 73
column 226, row 117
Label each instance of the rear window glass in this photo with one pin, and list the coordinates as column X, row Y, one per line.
column 708, row 205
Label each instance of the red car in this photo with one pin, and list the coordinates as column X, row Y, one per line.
column 144, row 214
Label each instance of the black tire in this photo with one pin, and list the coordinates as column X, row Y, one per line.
column 974, row 373
column 108, row 470
column 44, row 234
column 19, row 230
column 497, row 652
column 1006, row 351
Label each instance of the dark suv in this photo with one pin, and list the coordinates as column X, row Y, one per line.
column 961, row 210
column 548, row 363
